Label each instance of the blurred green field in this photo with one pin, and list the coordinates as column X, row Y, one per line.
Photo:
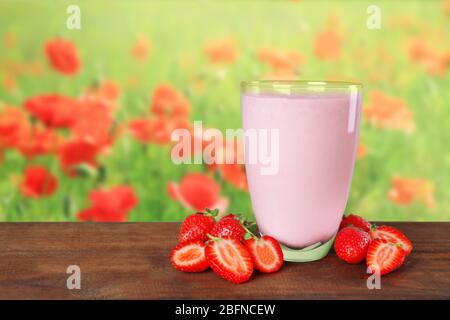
column 178, row 32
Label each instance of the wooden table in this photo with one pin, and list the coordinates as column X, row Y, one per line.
column 131, row 261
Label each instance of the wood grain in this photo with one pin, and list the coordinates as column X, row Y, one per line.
column 131, row 261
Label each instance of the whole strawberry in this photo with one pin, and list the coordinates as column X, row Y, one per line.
column 229, row 227
column 196, row 226
column 355, row 221
column 351, row 244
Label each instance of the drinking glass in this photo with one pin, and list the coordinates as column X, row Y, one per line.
column 299, row 189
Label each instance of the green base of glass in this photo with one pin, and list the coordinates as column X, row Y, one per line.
column 313, row 252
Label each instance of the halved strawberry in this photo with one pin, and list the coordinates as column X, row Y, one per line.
column 356, row 221
column 229, row 259
column 384, row 256
column 392, row 235
column 266, row 253
column 189, row 257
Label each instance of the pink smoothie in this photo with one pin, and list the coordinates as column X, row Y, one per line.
column 318, row 133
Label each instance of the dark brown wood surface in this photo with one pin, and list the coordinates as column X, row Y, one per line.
column 131, row 261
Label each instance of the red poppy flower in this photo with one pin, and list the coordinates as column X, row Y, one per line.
column 198, row 192
column 107, row 92
column 361, row 151
column 434, row 61
column 93, row 123
column 327, row 44
column 234, row 174
column 38, row 182
column 157, row 130
column 74, row 153
column 222, row 51
column 279, row 59
column 141, row 49
column 142, row 130
column 38, row 141
column 167, row 101
column 406, row 190
column 54, row 110
column 388, row 112
column 109, row 205
column 14, row 126
column 63, row 56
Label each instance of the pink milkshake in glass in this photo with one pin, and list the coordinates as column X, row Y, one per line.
column 302, row 203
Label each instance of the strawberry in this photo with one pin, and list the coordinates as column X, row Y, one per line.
column 229, row 259
column 196, row 226
column 351, row 244
column 384, row 256
column 189, row 257
column 230, row 226
column 392, row 235
column 266, row 253
column 356, row 221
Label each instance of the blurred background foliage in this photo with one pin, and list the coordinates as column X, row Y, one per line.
column 202, row 50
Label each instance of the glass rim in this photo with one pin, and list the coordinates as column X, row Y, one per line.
column 298, row 84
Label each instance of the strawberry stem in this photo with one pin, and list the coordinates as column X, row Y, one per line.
column 247, row 230
column 212, row 213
